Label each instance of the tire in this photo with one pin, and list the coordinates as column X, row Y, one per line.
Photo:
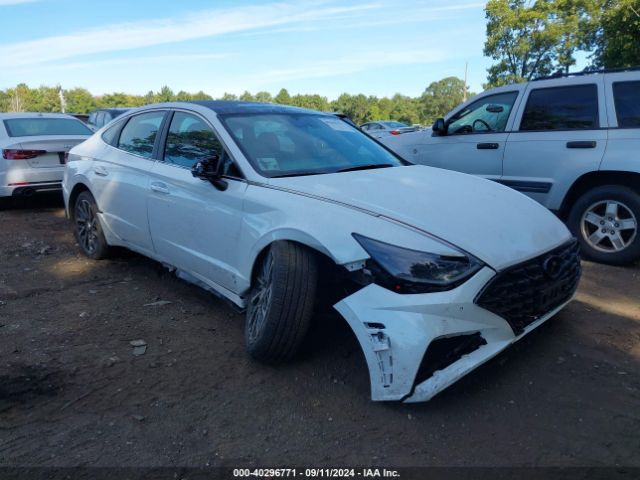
column 606, row 221
column 87, row 228
column 281, row 302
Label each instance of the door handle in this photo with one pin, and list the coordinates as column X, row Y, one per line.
column 100, row 171
column 160, row 187
column 582, row 144
column 488, row 146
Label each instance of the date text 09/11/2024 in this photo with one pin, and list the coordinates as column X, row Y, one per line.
column 315, row 473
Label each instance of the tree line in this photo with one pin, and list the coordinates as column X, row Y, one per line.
column 437, row 99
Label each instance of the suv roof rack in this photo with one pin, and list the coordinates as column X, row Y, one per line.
column 586, row 71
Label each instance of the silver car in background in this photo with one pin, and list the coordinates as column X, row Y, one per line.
column 386, row 128
column 33, row 148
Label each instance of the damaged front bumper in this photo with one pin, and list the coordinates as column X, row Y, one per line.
column 396, row 330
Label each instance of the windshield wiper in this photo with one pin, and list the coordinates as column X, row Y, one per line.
column 370, row 166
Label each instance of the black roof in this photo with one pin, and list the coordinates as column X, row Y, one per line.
column 236, row 106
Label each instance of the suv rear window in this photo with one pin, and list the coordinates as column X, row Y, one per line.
column 32, row 127
column 626, row 96
column 561, row 108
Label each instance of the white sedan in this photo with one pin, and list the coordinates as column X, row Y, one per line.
column 33, row 150
column 278, row 208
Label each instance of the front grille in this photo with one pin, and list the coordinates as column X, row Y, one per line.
column 524, row 293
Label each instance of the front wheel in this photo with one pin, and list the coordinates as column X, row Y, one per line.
column 280, row 303
column 605, row 221
column 87, row 228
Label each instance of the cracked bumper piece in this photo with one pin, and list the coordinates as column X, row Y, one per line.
column 395, row 331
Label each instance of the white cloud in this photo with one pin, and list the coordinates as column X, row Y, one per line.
column 355, row 62
column 138, row 62
column 206, row 23
column 15, row 2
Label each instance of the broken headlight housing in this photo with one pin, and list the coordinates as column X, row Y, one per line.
column 403, row 270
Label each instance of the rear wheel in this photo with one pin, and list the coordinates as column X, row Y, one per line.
column 606, row 221
column 281, row 302
column 87, row 228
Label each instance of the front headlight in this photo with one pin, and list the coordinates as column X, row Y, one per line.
column 410, row 271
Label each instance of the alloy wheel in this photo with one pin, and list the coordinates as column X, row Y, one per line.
column 609, row 226
column 86, row 226
column 260, row 299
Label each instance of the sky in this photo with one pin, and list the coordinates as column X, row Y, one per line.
column 375, row 47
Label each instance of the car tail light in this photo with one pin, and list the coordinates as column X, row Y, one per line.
column 395, row 132
column 11, row 154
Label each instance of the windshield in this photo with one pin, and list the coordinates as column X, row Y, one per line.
column 31, row 127
column 291, row 144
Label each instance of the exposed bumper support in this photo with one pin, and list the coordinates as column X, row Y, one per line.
column 395, row 330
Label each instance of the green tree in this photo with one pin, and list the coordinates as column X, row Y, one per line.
column 201, row 96
column 164, row 95
column 313, row 102
column 263, row 97
column 117, row 99
column 534, row 38
column 440, row 97
column 283, row 97
column 79, row 100
column 183, row 96
column 617, row 41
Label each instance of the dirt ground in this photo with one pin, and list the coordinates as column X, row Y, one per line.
column 72, row 393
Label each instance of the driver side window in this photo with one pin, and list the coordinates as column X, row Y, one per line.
column 489, row 114
column 190, row 140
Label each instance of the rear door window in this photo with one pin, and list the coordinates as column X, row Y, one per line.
column 561, row 108
column 626, row 96
column 139, row 134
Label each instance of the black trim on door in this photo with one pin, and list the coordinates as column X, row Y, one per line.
column 526, row 186
column 582, row 144
column 487, row 146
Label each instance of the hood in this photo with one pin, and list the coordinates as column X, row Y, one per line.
column 492, row 222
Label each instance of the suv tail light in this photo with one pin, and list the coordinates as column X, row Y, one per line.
column 11, row 154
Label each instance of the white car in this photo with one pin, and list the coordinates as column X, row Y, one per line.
column 388, row 128
column 272, row 207
column 33, row 148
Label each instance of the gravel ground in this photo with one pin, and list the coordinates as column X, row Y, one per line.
column 75, row 392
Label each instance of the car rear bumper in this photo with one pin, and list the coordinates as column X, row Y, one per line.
column 29, row 181
column 417, row 345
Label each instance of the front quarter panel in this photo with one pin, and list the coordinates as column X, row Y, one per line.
column 272, row 214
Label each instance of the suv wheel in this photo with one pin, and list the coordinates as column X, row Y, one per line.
column 88, row 231
column 606, row 221
column 281, row 302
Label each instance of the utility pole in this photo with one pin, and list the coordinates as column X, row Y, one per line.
column 464, row 95
column 63, row 102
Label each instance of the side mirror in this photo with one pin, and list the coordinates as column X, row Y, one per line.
column 439, row 127
column 495, row 108
column 210, row 169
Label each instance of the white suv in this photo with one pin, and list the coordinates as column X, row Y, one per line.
column 570, row 142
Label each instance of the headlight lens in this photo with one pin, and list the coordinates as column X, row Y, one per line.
column 410, row 271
